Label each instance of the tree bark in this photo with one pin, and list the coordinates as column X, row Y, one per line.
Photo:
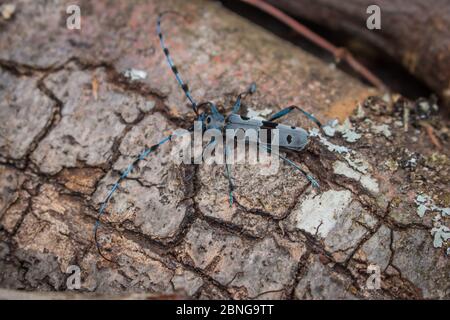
column 72, row 122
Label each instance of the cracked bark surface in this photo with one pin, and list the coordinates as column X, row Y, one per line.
column 169, row 227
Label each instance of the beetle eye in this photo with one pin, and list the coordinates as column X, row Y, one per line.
column 208, row 120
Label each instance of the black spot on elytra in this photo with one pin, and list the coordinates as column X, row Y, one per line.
column 268, row 124
column 289, row 138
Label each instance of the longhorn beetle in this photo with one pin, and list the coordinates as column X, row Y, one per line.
column 290, row 138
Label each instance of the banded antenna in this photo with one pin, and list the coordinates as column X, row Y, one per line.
column 172, row 65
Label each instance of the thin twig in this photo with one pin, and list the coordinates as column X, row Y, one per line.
column 95, row 87
column 338, row 53
column 430, row 132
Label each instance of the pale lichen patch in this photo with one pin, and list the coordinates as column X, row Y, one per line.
column 441, row 234
column 330, row 146
column 425, row 203
column 259, row 114
column 353, row 159
column 135, row 74
column 366, row 181
column 318, row 214
column 346, row 129
column 382, row 129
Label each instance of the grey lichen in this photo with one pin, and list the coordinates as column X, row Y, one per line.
column 346, row 129
column 367, row 181
column 441, row 234
column 425, row 203
column 135, row 74
column 330, row 146
column 382, row 129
